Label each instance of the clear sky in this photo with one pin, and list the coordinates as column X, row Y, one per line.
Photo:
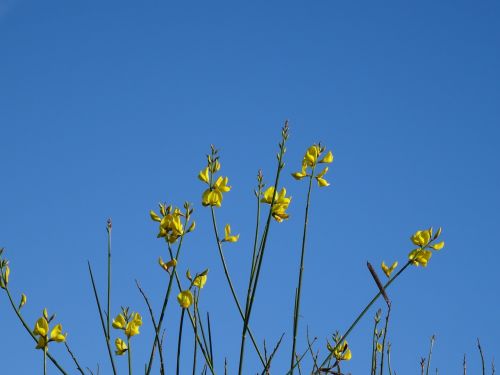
column 107, row 108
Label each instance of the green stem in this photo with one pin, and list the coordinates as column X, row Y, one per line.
column 45, row 361
column 430, row 355
column 296, row 311
column 165, row 302
column 196, row 322
column 25, row 325
column 108, row 228
column 374, row 348
column 179, row 343
column 129, row 357
column 102, row 320
column 384, row 337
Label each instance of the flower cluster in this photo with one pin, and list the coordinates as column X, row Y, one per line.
column 311, row 160
column 339, row 350
column 425, row 240
column 186, row 298
column 129, row 323
column 171, row 226
column 42, row 330
column 279, row 202
column 212, row 196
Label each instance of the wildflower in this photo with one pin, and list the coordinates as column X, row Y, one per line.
column 6, row 275
column 311, row 160
column 213, row 195
column 121, row 347
column 341, row 352
column 204, row 176
column 200, row 280
column 280, row 205
column 227, row 235
column 424, row 240
column 388, row 270
column 42, row 330
column 166, row 266
column 119, row 322
column 185, row 299
column 319, row 177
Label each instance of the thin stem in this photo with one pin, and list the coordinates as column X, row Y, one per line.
column 389, row 358
column 102, row 320
column 108, row 229
column 179, row 343
column 296, row 311
column 482, row 356
column 386, row 327
column 165, row 300
column 195, row 351
column 45, row 360
column 374, row 347
column 78, row 367
column 430, row 355
column 129, row 356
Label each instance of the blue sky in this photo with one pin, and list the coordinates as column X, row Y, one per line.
column 107, row 108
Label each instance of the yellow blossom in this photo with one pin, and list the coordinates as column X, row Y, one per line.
column 166, row 266
column 328, row 158
column 213, row 196
column 7, row 274
column 57, row 335
column 119, row 322
column 23, row 300
column 422, row 237
column 121, row 347
column 154, row 216
column 227, row 235
column 41, row 327
column 379, row 347
column 311, row 156
column 200, row 281
column 171, row 226
column 132, row 328
column 300, row 175
column 319, row 177
column 204, row 176
column 438, row 246
column 388, row 270
column 420, row 257
column 281, row 202
column 340, row 352
column 185, row 299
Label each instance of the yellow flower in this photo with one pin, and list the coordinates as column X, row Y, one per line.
column 23, row 301
column 204, row 176
column 438, row 246
column 7, row 274
column 213, row 195
column 300, row 175
column 42, row 342
column 121, row 347
column 281, row 202
column 227, row 235
column 137, row 319
column 171, row 226
column 41, row 327
column 119, row 322
column 379, row 347
column 319, row 177
column 388, row 270
column 328, row 158
column 166, row 266
column 57, row 335
column 340, row 352
column 200, row 281
column 154, row 216
column 422, row 237
column 420, row 257
column 185, row 299
column 311, row 156
column 132, row 328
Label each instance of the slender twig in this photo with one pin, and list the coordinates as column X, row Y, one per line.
column 108, row 311
column 268, row 360
column 386, row 327
column 179, row 343
column 296, row 310
column 102, row 319
column 389, row 358
column 160, row 348
column 129, row 356
column 78, row 367
column 482, row 356
column 45, row 360
column 433, row 338
column 309, row 345
column 196, row 323
column 465, row 365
